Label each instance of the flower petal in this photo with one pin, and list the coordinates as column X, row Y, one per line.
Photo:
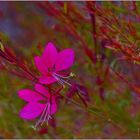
column 42, row 90
column 47, row 80
column 40, row 65
column 31, row 110
column 50, row 55
column 65, row 59
column 29, row 95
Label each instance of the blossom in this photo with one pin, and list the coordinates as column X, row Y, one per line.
column 39, row 103
column 51, row 63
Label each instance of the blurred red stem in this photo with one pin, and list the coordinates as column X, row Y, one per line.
column 91, row 6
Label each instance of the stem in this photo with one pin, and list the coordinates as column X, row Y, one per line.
column 107, row 119
column 90, row 6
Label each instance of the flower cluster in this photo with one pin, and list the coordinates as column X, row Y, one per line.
column 43, row 100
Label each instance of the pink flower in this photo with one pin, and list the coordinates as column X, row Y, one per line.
column 39, row 103
column 51, row 63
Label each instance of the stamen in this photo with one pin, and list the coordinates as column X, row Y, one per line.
column 72, row 74
column 43, row 113
column 48, row 118
column 61, row 78
column 65, row 77
column 65, row 82
column 59, row 81
column 44, row 116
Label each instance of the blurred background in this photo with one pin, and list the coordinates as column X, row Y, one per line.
column 105, row 39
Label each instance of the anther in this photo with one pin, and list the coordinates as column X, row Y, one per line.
column 72, row 74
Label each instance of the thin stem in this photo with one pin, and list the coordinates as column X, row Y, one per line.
column 90, row 6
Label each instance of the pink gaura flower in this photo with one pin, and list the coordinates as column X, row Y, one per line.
column 51, row 63
column 39, row 103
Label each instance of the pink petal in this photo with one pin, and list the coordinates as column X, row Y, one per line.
column 40, row 65
column 31, row 110
column 65, row 59
column 29, row 95
column 42, row 90
column 50, row 55
column 47, row 80
column 53, row 107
